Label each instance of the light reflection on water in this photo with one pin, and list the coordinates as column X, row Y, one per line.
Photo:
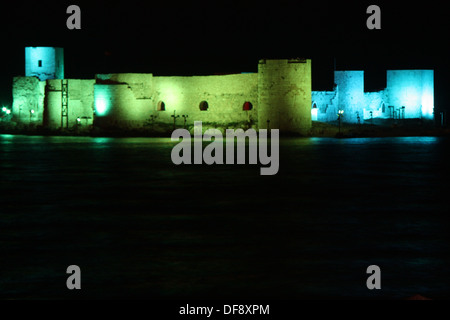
column 140, row 226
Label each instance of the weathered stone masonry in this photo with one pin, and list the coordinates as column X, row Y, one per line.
column 278, row 96
column 280, row 92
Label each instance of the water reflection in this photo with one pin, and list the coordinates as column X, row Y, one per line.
column 336, row 206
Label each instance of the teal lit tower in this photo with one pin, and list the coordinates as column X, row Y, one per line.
column 44, row 63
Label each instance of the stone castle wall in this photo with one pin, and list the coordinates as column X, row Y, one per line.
column 411, row 89
column 28, row 100
column 277, row 96
column 134, row 100
column 284, row 95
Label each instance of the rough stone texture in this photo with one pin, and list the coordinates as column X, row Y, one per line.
column 225, row 95
column 141, row 83
column 377, row 102
column 52, row 62
column 413, row 89
column 81, row 101
column 326, row 103
column 117, row 106
column 350, row 85
column 80, row 104
column 28, row 93
column 279, row 92
column 129, row 100
column 284, row 95
column 52, row 114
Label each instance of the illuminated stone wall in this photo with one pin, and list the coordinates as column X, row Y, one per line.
column 377, row 103
column 325, row 103
column 52, row 102
column 284, row 94
column 129, row 100
column 279, row 93
column 413, row 89
column 225, row 96
column 122, row 100
column 44, row 98
column 282, row 87
column 350, row 85
column 28, row 103
column 44, row 62
column 81, row 102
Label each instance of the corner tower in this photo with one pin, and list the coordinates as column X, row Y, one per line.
column 350, row 86
column 44, row 63
column 284, row 95
column 412, row 90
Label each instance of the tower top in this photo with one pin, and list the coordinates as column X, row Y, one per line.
column 44, row 62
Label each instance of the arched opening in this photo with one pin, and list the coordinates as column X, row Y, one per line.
column 161, row 106
column 314, row 111
column 203, row 106
column 383, row 107
column 247, row 106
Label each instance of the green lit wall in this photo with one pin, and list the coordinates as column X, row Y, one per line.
column 122, row 100
column 225, row 95
column 280, row 92
column 44, row 99
column 284, row 95
column 129, row 100
column 28, row 103
column 80, row 104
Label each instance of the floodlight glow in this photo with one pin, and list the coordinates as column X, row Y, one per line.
column 314, row 114
column 4, row 109
column 8, row 111
column 102, row 102
column 427, row 105
column 32, row 111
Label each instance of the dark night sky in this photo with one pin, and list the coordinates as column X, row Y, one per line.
column 208, row 37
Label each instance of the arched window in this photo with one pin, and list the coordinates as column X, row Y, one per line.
column 161, row 106
column 314, row 112
column 247, row 106
column 383, row 107
column 203, row 106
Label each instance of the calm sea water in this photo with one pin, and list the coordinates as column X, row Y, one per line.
column 140, row 227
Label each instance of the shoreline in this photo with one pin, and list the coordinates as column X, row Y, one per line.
column 318, row 130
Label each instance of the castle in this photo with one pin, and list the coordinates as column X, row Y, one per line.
column 279, row 96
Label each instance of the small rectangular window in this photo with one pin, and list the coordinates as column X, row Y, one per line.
column 39, row 63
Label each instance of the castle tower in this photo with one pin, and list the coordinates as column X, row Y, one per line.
column 350, row 85
column 413, row 90
column 44, row 63
column 284, row 95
